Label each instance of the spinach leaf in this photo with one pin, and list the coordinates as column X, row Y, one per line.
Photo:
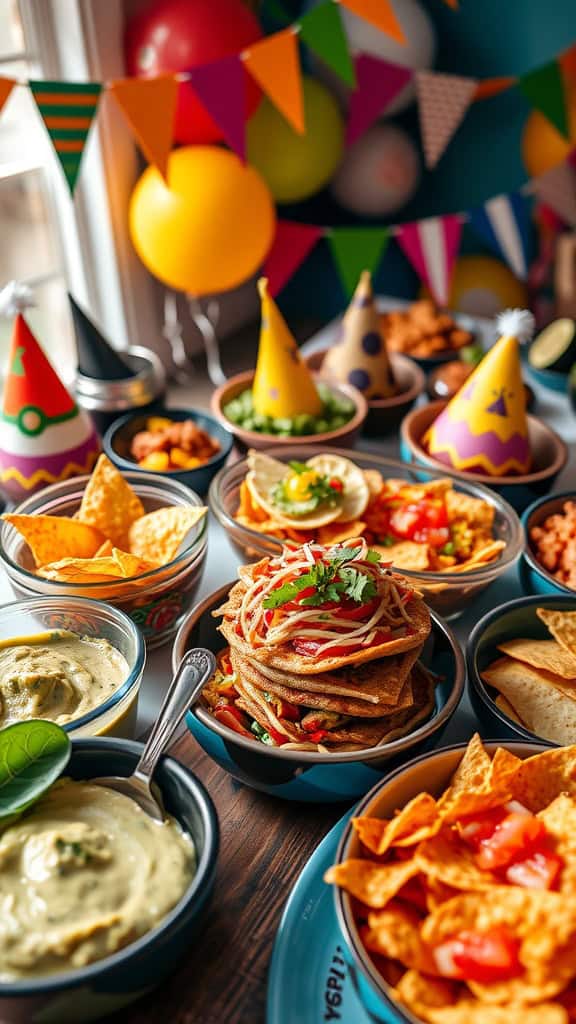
column 32, row 756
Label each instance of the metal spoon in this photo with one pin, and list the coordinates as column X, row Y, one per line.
column 191, row 676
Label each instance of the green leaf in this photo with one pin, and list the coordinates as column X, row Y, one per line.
column 373, row 556
column 338, row 555
column 298, row 467
column 32, row 756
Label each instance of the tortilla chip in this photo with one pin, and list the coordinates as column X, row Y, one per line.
column 438, row 892
column 110, row 504
column 541, row 778
column 469, row 1012
column 562, row 625
column 104, row 550
column 130, row 565
column 337, row 532
column 474, row 787
column 421, row 993
column 375, row 481
column 480, row 556
column 82, row 570
column 418, row 820
column 395, row 932
column 406, row 555
column 448, row 859
column 544, row 706
column 476, row 511
column 545, row 654
column 157, row 536
column 507, row 709
column 51, row 538
column 560, row 820
column 372, row 884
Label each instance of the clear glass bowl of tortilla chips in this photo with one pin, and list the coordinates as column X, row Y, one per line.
column 78, row 663
column 437, row 926
column 134, row 540
column 450, row 538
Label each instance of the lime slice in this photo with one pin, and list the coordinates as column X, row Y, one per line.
column 555, row 347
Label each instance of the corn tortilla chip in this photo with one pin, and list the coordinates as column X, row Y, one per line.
column 51, row 538
column 418, row 820
column 560, row 820
column 468, row 1012
column 478, row 782
column 337, row 533
column 395, row 932
column 421, row 993
column 406, row 555
column 506, row 707
column 475, row 511
column 104, row 550
column 110, row 504
column 544, row 706
column 545, row 654
column 130, row 565
column 562, row 625
column 447, row 858
column 372, row 884
column 541, row 778
column 157, row 536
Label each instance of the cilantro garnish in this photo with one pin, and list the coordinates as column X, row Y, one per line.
column 320, row 492
column 334, row 581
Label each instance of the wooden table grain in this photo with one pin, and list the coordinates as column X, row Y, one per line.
column 264, row 844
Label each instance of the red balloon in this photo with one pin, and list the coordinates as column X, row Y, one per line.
column 175, row 35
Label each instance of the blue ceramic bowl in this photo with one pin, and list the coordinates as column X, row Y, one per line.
column 106, row 985
column 117, row 439
column 549, row 456
column 307, row 775
column 534, row 577
column 430, row 773
column 508, row 622
column 550, row 379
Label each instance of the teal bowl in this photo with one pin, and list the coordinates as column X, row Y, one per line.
column 307, row 775
column 118, row 438
column 549, row 456
column 507, row 622
column 550, row 379
column 107, row 985
column 430, row 773
column 534, row 577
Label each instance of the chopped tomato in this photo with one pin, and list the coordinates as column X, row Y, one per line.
column 286, row 710
column 513, row 839
column 424, row 521
column 479, row 956
column 474, row 830
column 357, row 612
column 319, row 735
column 336, row 484
column 436, row 536
column 539, row 871
column 228, row 715
column 278, row 737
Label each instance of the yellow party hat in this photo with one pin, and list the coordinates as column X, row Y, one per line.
column 283, row 385
column 359, row 357
column 484, row 428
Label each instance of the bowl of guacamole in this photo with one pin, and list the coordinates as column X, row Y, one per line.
column 344, row 410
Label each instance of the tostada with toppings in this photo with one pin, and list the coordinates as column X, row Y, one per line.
column 323, row 651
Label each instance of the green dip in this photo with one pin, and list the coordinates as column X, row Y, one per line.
column 336, row 411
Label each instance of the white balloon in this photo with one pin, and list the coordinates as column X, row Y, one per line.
column 418, row 53
column 379, row 173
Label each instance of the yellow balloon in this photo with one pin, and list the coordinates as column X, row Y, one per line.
column 542, row 144
column 296, row 166
column 207, row 230
column 483, row 286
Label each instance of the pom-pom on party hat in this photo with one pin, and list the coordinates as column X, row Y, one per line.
column 484, row 428
column 283, row 385
column 96, row 357
column 360, row 357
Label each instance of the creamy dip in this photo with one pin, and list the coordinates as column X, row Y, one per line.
column 60, row 680
column 82, row 874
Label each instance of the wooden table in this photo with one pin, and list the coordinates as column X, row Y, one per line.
column 264, row 844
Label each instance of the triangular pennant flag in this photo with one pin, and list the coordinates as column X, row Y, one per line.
column 275, row 65
column 377, row 84
column 503, row 223
column 452, row 3
column 355, row 250
column 431, row 245
column 322, row 30
column 220, row 87
column 292, row 244
column 492, row 87
column 557, row 189
column 67, row 109
column 379, row 13
column 544, row 89
column 6, row 86
column 442, row 102
column 149, row 106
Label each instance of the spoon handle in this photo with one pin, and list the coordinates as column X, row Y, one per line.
column 191, row 676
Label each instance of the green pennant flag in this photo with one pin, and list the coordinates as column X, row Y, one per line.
column 322, row 30
column 544, row 89
column 67, row 109
column 355, row 250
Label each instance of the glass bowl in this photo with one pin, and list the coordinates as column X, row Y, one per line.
column 117, row 715
column 157, row 601
column 446, row 593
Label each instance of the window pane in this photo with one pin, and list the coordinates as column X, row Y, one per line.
column 51, row 323
column 29, row 245
column 23, row 138
column 11, row 36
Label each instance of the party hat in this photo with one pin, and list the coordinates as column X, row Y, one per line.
column 44, row 436
column 283, row 386
column 96, row 357
column 484, row 428
column 360, row 357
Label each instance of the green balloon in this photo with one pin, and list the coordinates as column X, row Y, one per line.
column 296, row 166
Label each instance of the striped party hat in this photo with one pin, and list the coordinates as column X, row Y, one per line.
column 67, row 109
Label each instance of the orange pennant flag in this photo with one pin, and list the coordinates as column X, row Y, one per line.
column 274, row 63
column 6, row 86
column 492, row 87
column 379, row 13
column 149, row 106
